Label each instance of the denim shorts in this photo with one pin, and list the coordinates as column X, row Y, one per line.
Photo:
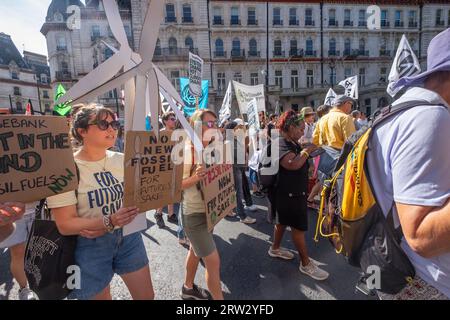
column 253, row 176
column 99, row 259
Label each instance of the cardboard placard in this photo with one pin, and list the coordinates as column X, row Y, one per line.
column 195, row 74
column 219, row 193
column 152, row 180
column 36, row 158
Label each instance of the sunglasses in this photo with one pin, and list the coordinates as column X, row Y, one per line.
column 171, row 119
column 104, row 125
column 210, row 124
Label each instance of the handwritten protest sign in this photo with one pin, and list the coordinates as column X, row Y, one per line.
column 36, row 158
column 152, row 180
column 195, row 74
column 219, row 193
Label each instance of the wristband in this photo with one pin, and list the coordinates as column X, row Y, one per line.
column 305, row 153
column 107, row 223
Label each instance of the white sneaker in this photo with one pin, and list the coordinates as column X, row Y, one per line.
column 314, row 271
column 248, row 220
column 281, row 253
column 251, row 208
column 27, row 294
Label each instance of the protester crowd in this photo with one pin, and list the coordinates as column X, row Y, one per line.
column 408, row 161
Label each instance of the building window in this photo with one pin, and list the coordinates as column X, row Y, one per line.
column 217, row 14
column 277, row 17
column 95, row 32
column 158, row 51
column 332, row 45
column 221, row 81
column 254, row 81
column 253, row 48
column 347, row 47
column 362, row 47
column 108, row 53
column 448, row 19
column 44, row 78
column 384, row 18
column 236, row 48
column 308, row 17
column 362, row 18
column 279, row 78
column 309, row 78
column 277, row 48
column 398, row 18
column 439, row 20
column 362, row 77
column 219, row 48
column 47, row 108
column 187, row 13
column 19, row 106
column 173, row 44
column 61, row 43
column 383, row 77
column 309, row 47
column 64, row 67
column 17, row 91
column 332, row 17
column 45, row 94
column 347, row 73
column 251, row 16
column 367, row 105
column 412, row 23
column 189, row 43
column 14, row 75
column 293, row 21
column 235, row 16
column 175, row 79
column 347, row 17
column 237, row 77
column 332, row 76
column 294, row 80
column 294, row 50
column 170, row 13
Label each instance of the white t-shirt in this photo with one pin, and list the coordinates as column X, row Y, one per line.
column 409, row 163
column 100, row 190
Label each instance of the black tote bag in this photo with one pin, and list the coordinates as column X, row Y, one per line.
column 48, row 255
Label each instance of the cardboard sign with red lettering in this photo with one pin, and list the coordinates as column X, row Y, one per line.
column 219, row 193
column 36, row 158
column 152, row 180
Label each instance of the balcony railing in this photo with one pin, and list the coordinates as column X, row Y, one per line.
column 333, row 23
column 278, row 53
column 385, row 24
column 364, row 53
column 95, row 37
column 237, row 54
column 440, row 23
column 220, row 54
column 310, row 53
column 334, row 53
column 277, row 22
column 63, row 75
column 294, row 22
column 254, row 54
column 173, row 53
column 17, row 93
column 188, row 20
column 61, row 48
column 296, row 52
column 309, row 23
column 218, row 21
column 252, row 22
column 348, row 23
column 385, row 53
column 235, row 21
column 412, row 24
column 171, row 19
column 362, row 23
column 399, row 24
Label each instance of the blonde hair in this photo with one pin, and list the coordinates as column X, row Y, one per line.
column 200, row 115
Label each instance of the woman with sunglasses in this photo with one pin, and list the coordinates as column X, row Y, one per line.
column 288, row 199
column 95, row 212
column 194, row 220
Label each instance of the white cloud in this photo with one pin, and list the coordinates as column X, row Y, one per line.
column 23, row 19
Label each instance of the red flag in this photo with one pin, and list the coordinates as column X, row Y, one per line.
column 28, row 110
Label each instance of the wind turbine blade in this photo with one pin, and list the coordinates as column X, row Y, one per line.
column 150, row 31
column 155, row 106
column 99, row 75
column 167, row 85
column 115, row 22
column 139, row 114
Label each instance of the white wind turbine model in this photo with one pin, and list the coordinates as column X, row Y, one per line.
column 142, row 79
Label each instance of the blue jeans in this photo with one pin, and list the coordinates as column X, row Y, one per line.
column 238, row 184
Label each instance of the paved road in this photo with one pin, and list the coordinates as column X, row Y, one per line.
column 247, row 270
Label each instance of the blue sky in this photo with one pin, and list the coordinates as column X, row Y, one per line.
column 22, row 20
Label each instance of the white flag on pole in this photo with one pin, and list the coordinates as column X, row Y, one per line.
column 351, row 87
column 225, row 110
column 329, row 99
column 405, row 64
